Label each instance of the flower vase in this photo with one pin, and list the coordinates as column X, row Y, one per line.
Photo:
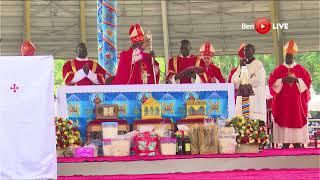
column 247, row 148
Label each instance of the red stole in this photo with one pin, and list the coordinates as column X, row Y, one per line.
column 72, row 66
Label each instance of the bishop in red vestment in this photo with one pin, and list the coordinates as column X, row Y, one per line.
column 136, row 66
column 186, row 60
column 83, row 71
column 289, row 85
column 213, row 73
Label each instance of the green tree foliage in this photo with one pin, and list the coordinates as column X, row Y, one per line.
column 58, row 80
column 309, row 60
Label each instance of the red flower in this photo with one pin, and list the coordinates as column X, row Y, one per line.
column 65, row 137
column 60, row 120
column 244, row 139
column 60, row 143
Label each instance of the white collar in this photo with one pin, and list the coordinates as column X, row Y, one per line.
column 291, row 65
column 186, row 57
column 82, row 59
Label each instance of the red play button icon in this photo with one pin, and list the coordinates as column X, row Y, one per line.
column 262, row 25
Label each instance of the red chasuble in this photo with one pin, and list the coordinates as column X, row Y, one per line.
column 178, row 64
column 140, row 72
column 289, row 106
column 72, row 66
column 213, row 72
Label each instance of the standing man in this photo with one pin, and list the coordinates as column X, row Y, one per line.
column 83, row 71
column 241, row 56
column 136, row 66
column 186, row 68
column 213, row 72
column 289, row 85
column 255, row 83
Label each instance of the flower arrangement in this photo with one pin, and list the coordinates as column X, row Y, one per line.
column 67, row 134
column 249, row 131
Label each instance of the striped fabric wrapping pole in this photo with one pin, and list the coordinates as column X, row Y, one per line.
column 107, row 35
column 245, row 107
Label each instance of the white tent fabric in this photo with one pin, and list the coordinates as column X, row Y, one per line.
column 27, row 130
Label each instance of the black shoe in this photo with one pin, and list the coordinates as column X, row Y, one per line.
column 285, row 145
column 297, row 145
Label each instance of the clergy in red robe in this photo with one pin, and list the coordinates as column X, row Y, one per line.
column 213, row 73
column 241, row 56
column 178, row 65
column 83, row 71
column 136, row 66
column 249, row 79
column 289, row 85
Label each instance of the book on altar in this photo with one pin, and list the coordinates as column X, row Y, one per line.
column 27, row 129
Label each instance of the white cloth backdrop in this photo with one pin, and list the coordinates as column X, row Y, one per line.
column 27, row 130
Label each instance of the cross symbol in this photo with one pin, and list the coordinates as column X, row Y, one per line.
column 14, row 88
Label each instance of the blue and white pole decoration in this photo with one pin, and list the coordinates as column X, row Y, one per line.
column 107, row 35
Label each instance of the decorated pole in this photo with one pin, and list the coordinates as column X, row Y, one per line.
column 245, row 107
column 245, row 91
column 107, row 35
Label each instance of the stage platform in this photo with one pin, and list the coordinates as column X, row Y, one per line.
column 274, row 159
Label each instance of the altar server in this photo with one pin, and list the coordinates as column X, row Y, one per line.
column 186, row 68
column 289, row 85
column 83, row 71
column 213, row 73
column 256, row 79
column 136, row 66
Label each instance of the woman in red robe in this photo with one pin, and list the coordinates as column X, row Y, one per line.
column 289, row 85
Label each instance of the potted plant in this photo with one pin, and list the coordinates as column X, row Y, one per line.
column 68, row 136
column 250, row 134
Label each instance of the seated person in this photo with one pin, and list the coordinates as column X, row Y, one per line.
column 186, row 68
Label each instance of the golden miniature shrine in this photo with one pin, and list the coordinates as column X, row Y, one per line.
column 195, row 109
column 151, row 109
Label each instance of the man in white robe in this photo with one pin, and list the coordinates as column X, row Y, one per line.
column 256, row 79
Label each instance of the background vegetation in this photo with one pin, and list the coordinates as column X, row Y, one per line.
column 310, row 60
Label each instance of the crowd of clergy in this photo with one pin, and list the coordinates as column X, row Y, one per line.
column 289, row 83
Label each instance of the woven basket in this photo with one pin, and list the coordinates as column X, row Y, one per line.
column 247, row 148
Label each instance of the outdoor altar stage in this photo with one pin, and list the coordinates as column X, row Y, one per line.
column 279, row 163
